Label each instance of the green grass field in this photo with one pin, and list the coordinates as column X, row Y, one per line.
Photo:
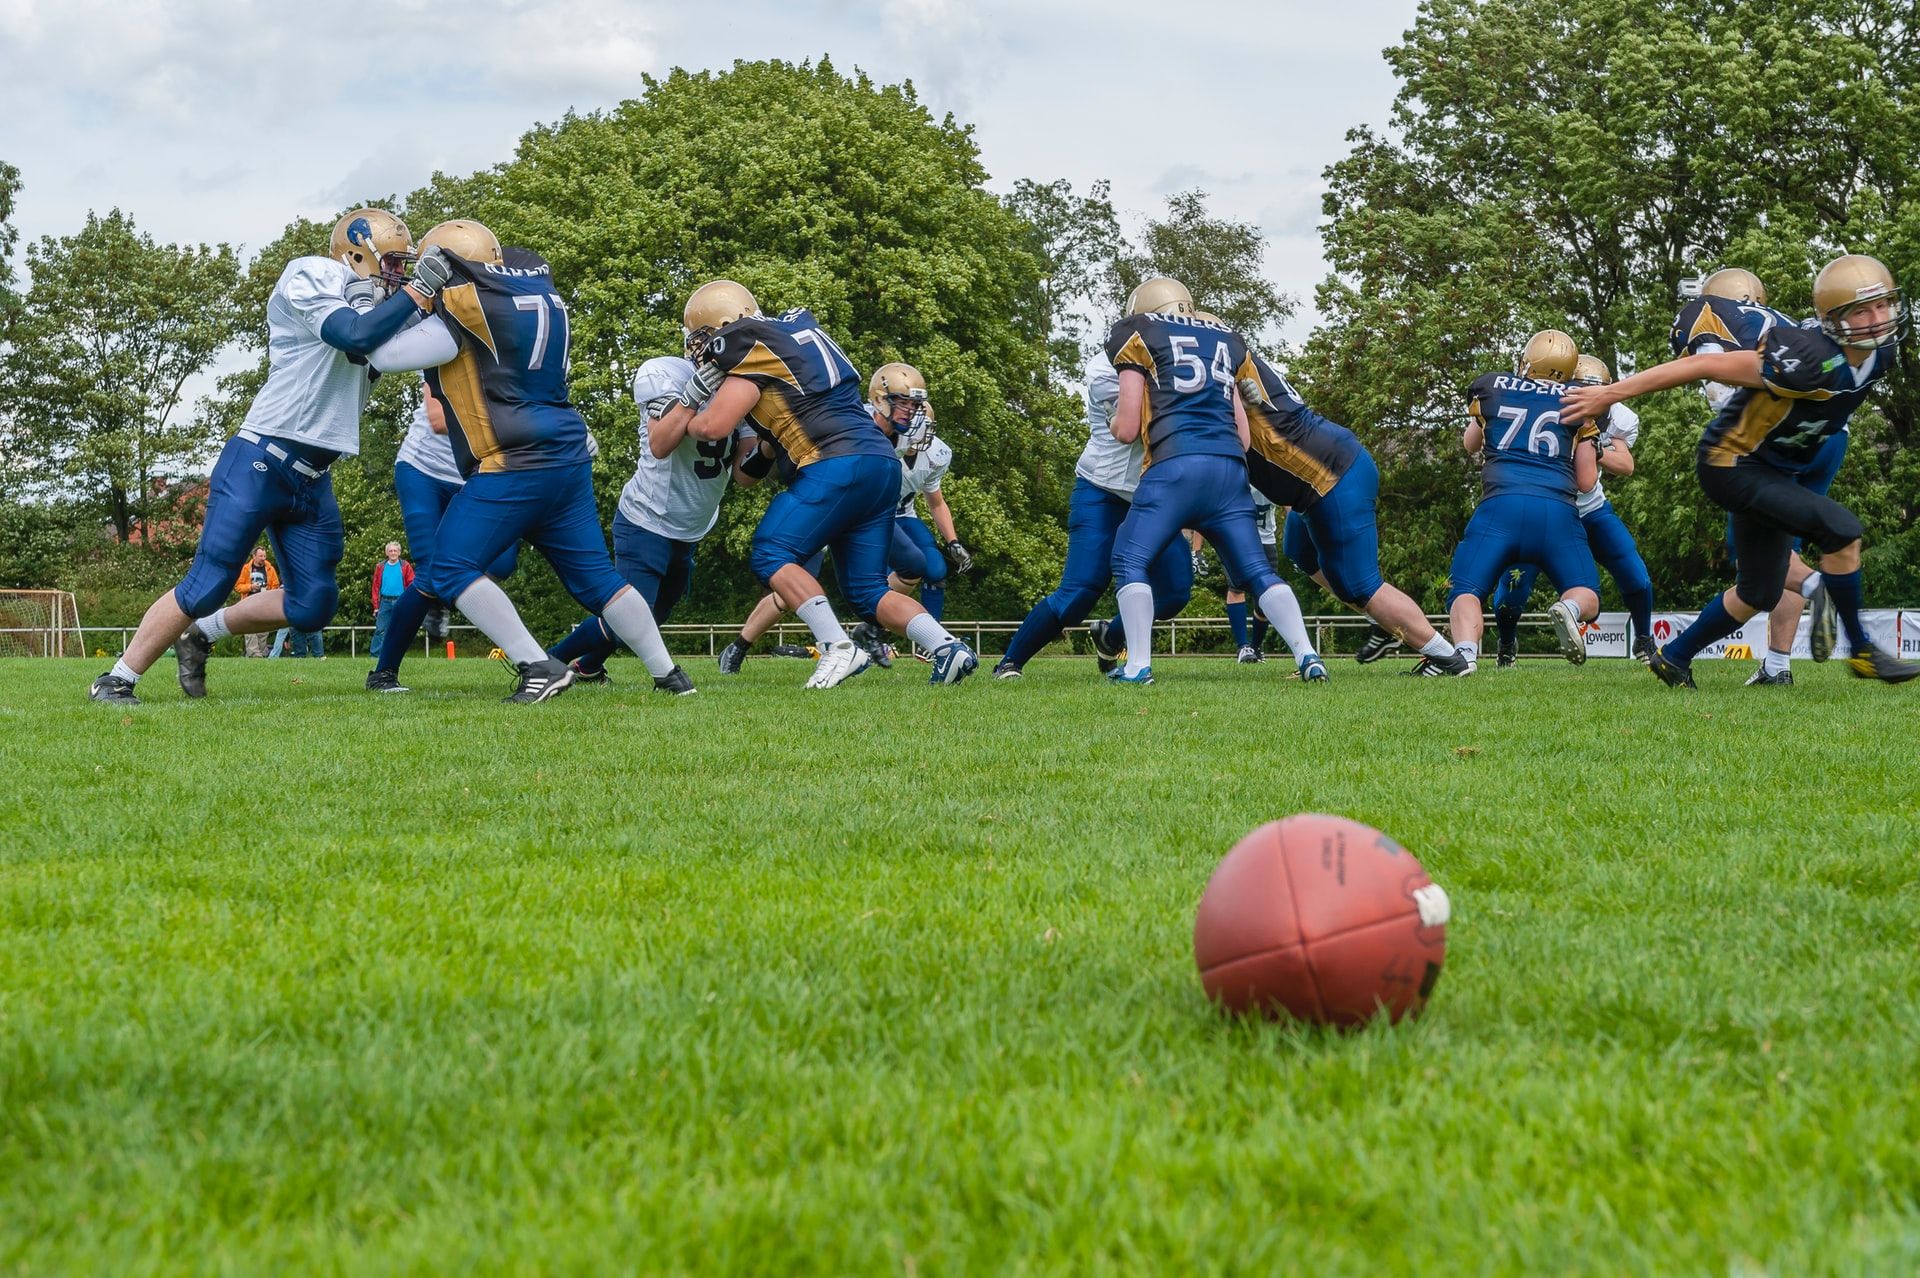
column 899, row 980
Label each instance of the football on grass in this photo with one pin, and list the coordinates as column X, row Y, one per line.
column 1322, row 919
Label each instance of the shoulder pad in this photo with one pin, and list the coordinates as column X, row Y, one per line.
column 939, row 452
column 314, row 275
column 1127, row 346
column 662, row 375
column 1798, row 360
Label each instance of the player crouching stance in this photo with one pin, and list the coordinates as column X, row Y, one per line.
column 1535, row 466
column 791, row 382
column 1796, row 387
column 325, row 319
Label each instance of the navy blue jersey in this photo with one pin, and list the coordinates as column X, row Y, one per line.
column 1528, row 448
column 1297, row 456
column 1715, row 323
column 812, row 405
column 506, row 391
column 1812, row 391
column 1191, row 366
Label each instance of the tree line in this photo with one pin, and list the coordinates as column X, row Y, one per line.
column 1633, row 146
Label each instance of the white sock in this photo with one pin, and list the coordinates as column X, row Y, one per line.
column 488, row 607
column 1438, row 646
column 820, row 619
column 628, row 616
column 214, row 627
column 1471, row 651
column 1136, row 618
column 1777, row 662
column 1282, row 611
column 928, row 633
column 121, row 670
column 1811, row 584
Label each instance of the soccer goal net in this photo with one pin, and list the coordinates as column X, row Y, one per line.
column 40, row 623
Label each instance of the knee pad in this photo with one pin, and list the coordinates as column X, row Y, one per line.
column 1839, row 527
column 865, row 596
column 312, row 608
column 934, row 571
column 200, row 593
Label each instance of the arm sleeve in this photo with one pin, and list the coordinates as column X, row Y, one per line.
column 361, row 333
column 1795, row 362
column 428, row 344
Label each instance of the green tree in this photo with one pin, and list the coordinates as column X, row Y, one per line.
column 1218, row 259
column 1076, row 238
column 107, row 335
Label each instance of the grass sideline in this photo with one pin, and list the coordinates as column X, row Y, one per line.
column 899, row 980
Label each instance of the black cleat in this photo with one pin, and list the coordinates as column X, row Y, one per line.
column 1821, row 623
column 1454, row 664
column 192, row 649
column 589, row 676
column 1887, row 668
column 1380, row 642
column 676, row 681
column 1005, row 671
column 1761, row 679
column 1671, row 673
column 385, row 681
column 540, row 680
column 1106, row 652
column 732, row 657
column 1506, row 655
column 113, row 690
column 1643, row 649
column 1249, row 655
column 797, row 650
column 873, row 640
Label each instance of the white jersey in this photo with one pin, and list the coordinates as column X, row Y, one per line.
column 1106, row 462
column 1264, row 516
column 427, row 452
column 677, row 496
column 1623, row 426
column 922, row 473
column 313, row 394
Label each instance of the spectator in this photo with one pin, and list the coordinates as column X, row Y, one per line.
column 305, row 643
column 257, row 575
column 391, row 577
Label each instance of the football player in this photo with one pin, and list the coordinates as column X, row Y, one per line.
column 1179, row 392
column 670, row 504
column 500, row 333
column 1535, row 465
column 792, row 383
column 1104, row 481
column 1326, row 478
column 1796, row 387
column 1731, row 313
column 1607, row 535
column 326, row 317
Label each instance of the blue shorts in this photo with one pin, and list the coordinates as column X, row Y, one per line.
column 660, row 568
column 844, row 504
column 914, row 554
column 551, row 507
column 1816, row 478
column 1519, row 528
column 283, row 489
column 423, row 501
column 1204, row 492
column 1613, row 549
column 1338, row 535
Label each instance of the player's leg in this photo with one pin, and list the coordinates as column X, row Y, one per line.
column 933, row 565
column 1760, row 549
column 1345, row 528
column 1228, row 525
column 1614, row 550
column 1159, row 511
column 1257, row 626
column 1807, row 588
column 1836, row 532
column 423, row 501
column 1509, row 602
column 1488, row 545
column 860, row 556
column 1093, row 518
column 1558, row 543
column 643, row 559
column 489, row 513
column 1236, row 603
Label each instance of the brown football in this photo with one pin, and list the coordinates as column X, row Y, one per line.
column 1323, row 919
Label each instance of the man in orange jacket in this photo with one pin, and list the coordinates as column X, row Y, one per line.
column 256, row 575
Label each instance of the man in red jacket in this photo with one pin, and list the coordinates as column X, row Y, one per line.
column 391, row 577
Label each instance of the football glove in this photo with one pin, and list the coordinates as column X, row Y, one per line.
column 701, row 386
column 1252, row 392
column 1199, row 563
column 660, row 405
column 962, row 557
column 363, row 294
column 432, row 272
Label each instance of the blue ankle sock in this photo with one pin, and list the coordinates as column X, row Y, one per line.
column 588, row 644
column 1713, row 624
column 409, row 611
column 1844, row 589
column 1237, row 618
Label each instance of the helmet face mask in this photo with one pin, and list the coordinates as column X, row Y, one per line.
column 373, row 244
column 1859, row 303
column 712, row 307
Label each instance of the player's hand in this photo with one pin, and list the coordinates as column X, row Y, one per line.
column 593, row 446
column 660, row 405
column 431, row 273
column 701, row 386
column 363, row 294
column 1252, row 392
column 1585, row 403
column 1199, row 563
column 962, row 557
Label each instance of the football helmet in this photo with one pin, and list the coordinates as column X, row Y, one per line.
column 1549, row 356
column 1591, row 370
column 896, row 386
column 465, row 238
column 1847, row 282
column 1211, row 318
column 1160, row 296
column 713, row 306
column 1736, row 285
column 373, row 244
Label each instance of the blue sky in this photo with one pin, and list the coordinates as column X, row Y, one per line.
column 222, row 119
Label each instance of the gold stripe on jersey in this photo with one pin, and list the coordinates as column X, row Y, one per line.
column 775, row 416
column 762, row 362
column 1818, row 392
column 460, row 382
column 1288, row 456
column 463, row 304
column 1708, row 324
column 1757, row 420
column 1135, row 351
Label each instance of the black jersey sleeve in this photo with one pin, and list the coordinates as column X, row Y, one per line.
column 1799, row 363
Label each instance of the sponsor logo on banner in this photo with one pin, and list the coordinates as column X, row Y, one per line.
column 1738, row 652
column 1606, row 635
column 1910, row 634
column 1890, row 629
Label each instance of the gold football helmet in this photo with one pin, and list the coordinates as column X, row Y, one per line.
column 1591, row 370
column 464, row 237
column 1211, row 318
column 1736, row 285
column 373, row 244
column 1160, row 296
column 895, row 386
column 713, row 306
column 1852, row 281
column 1549, row 356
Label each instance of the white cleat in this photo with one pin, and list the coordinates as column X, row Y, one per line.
column 839, row 663
column 1566, row 628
